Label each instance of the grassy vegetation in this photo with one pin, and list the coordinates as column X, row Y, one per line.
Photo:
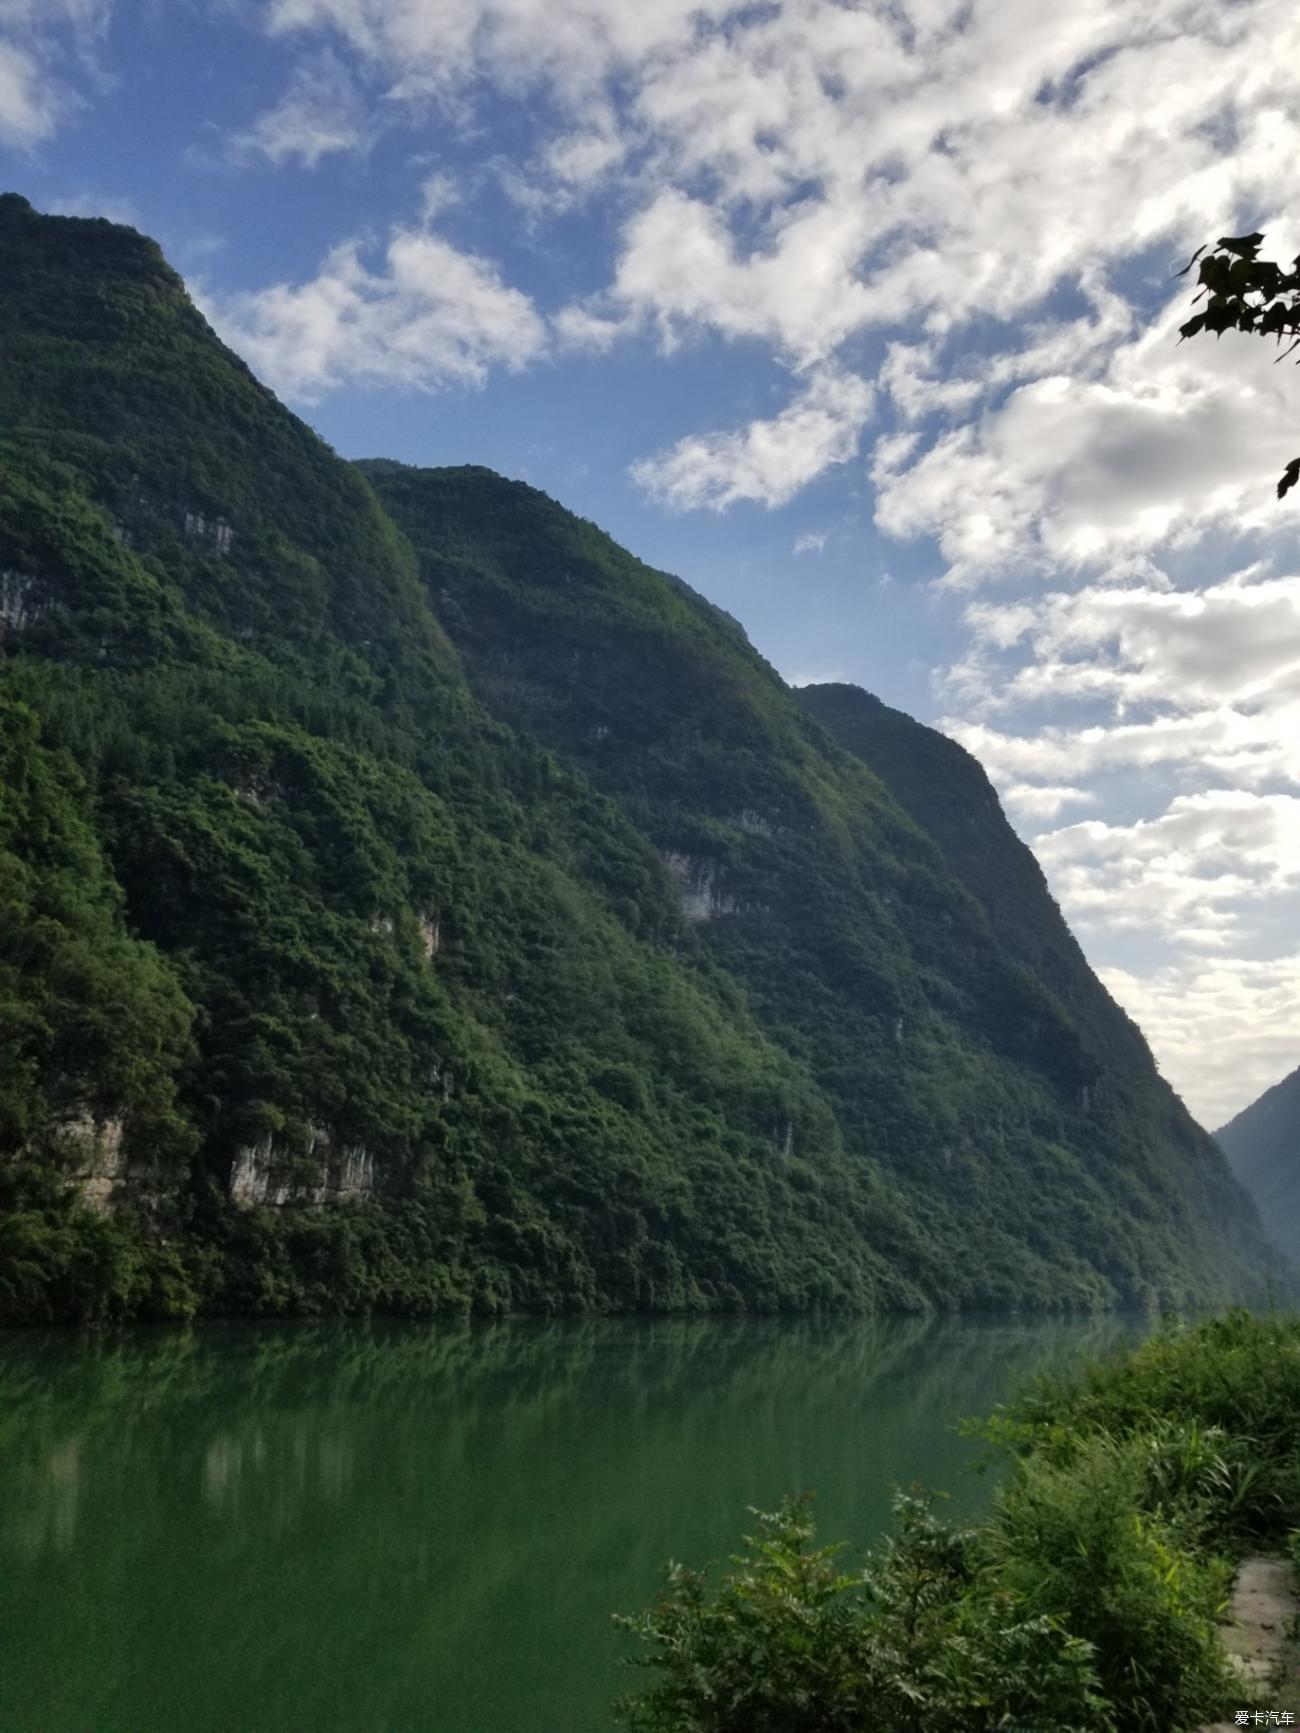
column 1087, row 1600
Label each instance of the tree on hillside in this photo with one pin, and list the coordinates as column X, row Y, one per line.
column 1243, row 292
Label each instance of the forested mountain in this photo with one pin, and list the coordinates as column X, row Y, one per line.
column 1263, row 1145
column 410, row 901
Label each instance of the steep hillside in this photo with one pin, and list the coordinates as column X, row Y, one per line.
column 1263, row 1145
column 948, row 793
column 324, row 988
column 968, row 1069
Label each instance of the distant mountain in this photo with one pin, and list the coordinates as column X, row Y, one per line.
column 1263, row 1145
column 410, row 901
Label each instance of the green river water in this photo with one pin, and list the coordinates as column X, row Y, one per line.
column 410, row 1528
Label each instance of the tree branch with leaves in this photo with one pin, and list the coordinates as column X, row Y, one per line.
column 1243, row 292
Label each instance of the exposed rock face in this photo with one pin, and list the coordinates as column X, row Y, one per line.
column 323, row 1172
column 98, row 1161
column 18, row 604
column 217, row 531
column 698, row 887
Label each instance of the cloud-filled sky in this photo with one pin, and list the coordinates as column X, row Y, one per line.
column 858, row 314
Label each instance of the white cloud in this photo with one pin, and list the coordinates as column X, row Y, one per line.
column 1223, row 741
column 817, row 677
column 810, row 542
column 431, row 317
column 1168, row 441
column 320, row 115
column 768, row 461
column 680, row 270
column 1224, row 1028
column 434, row 49
column 1201, row 682
column 1197, row 874
column 1146, row 643
column 1044, row 800
column 40, row 42
column 800, row 173
column 27, row 109
column 438, row 193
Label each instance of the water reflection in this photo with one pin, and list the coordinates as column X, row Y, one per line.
column 384, row 1526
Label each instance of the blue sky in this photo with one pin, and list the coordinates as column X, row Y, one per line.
column 857, row 315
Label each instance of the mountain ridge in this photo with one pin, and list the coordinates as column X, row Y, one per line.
column 1263, row 1149
column 412, row 902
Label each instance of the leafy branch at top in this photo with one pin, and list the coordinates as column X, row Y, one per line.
column 1243, row 292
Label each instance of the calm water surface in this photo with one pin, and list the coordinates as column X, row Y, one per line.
column 403, row 1528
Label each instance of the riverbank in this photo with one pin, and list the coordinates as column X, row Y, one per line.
column 1089, row 1599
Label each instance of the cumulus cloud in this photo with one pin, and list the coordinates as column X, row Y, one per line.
column 680, row 270
column 423, row 50
column 1045, row 800
column 1143, row 643
column 431, row 317
column 1224, row 1028
column 802, row 173
column 28, row 105
column 1070, row 470
column 1202, row 681
column 1224, row 741
column 767, row 461
column 1197, row 873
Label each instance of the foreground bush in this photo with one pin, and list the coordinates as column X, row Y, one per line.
column 1087, row 1600
column 793, row 1644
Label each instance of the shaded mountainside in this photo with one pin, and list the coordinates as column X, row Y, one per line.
column 409, row 901
column 948, row 793
column 1263, row 1145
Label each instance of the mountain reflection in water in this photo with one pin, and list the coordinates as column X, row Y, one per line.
column 383, row 1527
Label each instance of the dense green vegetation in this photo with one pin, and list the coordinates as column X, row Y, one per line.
column 1263, row 1145
column 940, row 1005
column 350, row 982
column 1088, row 1599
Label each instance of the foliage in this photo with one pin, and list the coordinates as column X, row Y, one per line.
column 1088, row 1598
column 1081, row 1537
column 1243, row 292
column 791, row 1643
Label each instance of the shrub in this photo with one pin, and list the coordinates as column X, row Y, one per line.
column 790, row 1643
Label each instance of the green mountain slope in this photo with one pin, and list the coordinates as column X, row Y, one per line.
column 1263, row 1145
column 332, row 979
column 971, row 1070
column 948, row 793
